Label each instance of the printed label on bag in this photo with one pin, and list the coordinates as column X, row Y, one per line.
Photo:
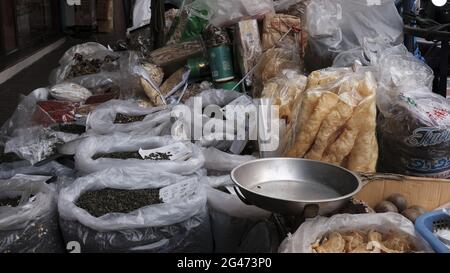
column 177, row 151
column 185, row 190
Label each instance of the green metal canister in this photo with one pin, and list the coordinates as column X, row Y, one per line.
column 199, row 67
column 221, row 63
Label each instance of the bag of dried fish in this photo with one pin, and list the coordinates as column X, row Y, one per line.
column 164, row 212
column 126, row 116
column 186, row 158
column 356, row 233
column 28, row 216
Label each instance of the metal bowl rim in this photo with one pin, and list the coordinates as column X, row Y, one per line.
column 349, row 195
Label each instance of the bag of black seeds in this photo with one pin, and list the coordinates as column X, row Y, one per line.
column 120, row 150
column 28, row 216
column 126, row 116
column 135, row 210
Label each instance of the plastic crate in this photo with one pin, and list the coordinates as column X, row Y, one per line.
column 428, row 223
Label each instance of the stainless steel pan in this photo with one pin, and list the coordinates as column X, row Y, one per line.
column 295, row 186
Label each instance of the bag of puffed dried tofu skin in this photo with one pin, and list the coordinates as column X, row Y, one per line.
column 337, row 120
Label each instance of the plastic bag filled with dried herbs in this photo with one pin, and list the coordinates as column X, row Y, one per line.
column 53, row 168
column 126, row 116
column 82, row 60
column 28, row 216
column 36, row 143
column 120, row 150
column 136, row 210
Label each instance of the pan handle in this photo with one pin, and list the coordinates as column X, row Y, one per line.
column 243, row 199
column 369, row 177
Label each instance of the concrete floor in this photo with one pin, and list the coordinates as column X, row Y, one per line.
column 35, row 76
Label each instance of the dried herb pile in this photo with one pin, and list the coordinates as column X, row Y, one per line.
column 133, row 155
column 124, row 119
column 101, row 202
column 84, row 66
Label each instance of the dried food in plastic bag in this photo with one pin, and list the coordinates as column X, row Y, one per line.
column 175, row 53
column 248, row 43
column 36, row 143
column 70, row 92
column 277, row 26
column 286, row 92
column 102, row 119
column 336, row 26
column 337, row 120
column 50, row 112
column 53, row 168
column 179, row 224
column 270, row 65
column 226, row 13
column 28, row 216
column 132, row 143
column 333, row 234
column 156, row 74
column 413, row 124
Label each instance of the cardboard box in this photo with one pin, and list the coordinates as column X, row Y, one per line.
column 429, row 193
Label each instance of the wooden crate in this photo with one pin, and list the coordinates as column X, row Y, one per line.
column 429, row 193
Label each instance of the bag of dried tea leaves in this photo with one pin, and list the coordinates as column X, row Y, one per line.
column 96, row 153
column 127, row 116
column 28, row 216
column 136, row 210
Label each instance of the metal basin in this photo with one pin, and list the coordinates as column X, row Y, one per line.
column 291, row 185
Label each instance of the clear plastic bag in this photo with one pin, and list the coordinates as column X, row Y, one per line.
column 221, row 161
column 185, row 128
column 314, row 229
column 271, row 63
column 32, row 225
column 336, row 26
column 142, row 12
column 286, row 92
column 414, row 123
column 53, row 168
column 121, row 142
column 101, row 120
column 90, row 50
column 179, row 225
column 337, row 120
column 226, row 13
column 36, row 143
column 70, row 92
